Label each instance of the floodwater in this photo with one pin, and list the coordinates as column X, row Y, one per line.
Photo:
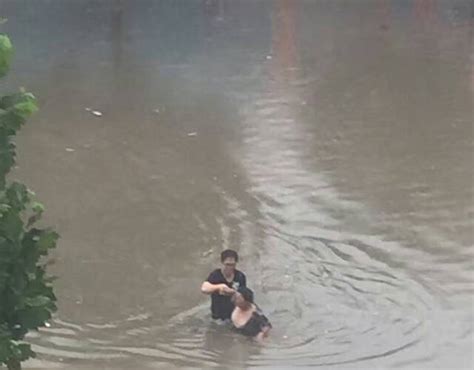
column 329, row 142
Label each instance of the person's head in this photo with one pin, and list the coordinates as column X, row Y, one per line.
column 243, row 298
column 229, row 259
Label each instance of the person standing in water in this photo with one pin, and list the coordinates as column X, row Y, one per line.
column 247, row 317
column 222, row 283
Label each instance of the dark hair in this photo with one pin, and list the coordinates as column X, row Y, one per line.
column 229, row 253
column 247, row 294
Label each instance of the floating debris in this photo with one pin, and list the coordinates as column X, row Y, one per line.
column 192, row 133
column 157, row 111
column 268, row 57
column 70, row 150
column 207, row 253
column 94, row 112
column 47, row 324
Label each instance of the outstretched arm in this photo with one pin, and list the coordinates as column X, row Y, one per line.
column 223, row 289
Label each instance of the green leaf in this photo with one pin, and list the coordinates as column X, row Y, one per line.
column 6, row 51
column 15, row 109
column 7, row 156
column 47, row 240
column 37, row 207
column 10, row 121
column 25, row 352
column 10, row 101
column 38, row 210
column 13, row 352
column 26, row 109
column 21, row 103
column 4, row 351
column 30, row 254
column 38, row 301
column 17, row 283
column 11, row 225
column 17, row 195
column 33, row 317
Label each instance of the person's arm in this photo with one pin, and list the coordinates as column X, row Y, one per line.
column 233, row 317
column 223, row 289
column 265, row 328
column 213, row 285
column 263, row 334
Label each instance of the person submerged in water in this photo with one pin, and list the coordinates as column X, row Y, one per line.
column 247, row 317
column 222, row 283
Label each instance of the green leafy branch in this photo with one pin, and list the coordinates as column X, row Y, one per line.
column 27, row 299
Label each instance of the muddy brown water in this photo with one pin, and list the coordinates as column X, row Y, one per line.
column 329, row 142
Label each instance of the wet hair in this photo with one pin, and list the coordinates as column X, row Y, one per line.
column 246, row 293
column 229, row 253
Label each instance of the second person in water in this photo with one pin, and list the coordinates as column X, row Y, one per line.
column 247, row 317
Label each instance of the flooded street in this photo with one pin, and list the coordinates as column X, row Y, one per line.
column 329, row 142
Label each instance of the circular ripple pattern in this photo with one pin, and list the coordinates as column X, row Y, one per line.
column 330, row 304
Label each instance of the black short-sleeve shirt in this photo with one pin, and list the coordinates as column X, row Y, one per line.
column 221, row 305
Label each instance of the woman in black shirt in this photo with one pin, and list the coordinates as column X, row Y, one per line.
column 247, row 317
